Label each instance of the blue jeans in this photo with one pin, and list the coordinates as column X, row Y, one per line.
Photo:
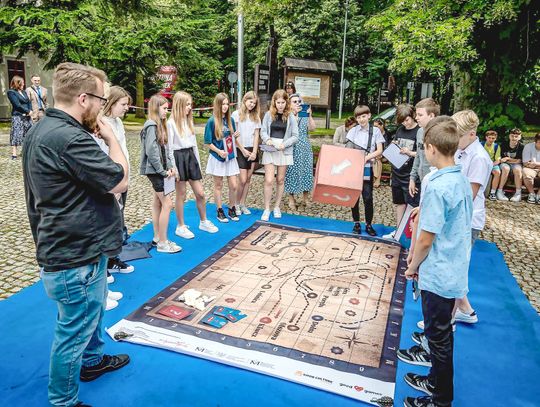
column 80, row 294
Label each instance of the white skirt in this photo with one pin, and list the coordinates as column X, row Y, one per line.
column 277, row 157
column 227, row 168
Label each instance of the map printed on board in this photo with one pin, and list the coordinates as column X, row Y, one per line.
column 323, row 309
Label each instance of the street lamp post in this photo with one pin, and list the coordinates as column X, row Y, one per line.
column 240, row 83
column 341, row 88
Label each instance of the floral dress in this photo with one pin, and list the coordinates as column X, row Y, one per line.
column 299, row 176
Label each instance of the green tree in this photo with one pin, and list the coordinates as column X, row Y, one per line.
column 486, row 50
column 313, row 30
column 128, row 43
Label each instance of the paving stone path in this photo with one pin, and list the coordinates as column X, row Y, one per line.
column 514, row 227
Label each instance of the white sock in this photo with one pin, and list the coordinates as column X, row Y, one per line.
column 492, row 191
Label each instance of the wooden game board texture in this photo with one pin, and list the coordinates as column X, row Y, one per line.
column 324, row 298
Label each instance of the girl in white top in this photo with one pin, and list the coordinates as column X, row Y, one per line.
column 279, row 133
column 219, row 137
column 114, row 110
column 117, row 105
column 248, row 123
column 184, row 153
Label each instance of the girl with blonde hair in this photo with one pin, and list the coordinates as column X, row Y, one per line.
column 279, row 133
column 118, row 101
column 248, row 123
column 219, row 137
column 184, row 154
column 156, row 165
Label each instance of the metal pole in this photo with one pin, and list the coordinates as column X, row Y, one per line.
column 240, row 83
column 341, row 90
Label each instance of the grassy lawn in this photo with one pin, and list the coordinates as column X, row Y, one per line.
column 322, row 132
column 334, row 115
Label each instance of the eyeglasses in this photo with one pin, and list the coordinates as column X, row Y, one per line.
column 297, row 102
column 101, row 99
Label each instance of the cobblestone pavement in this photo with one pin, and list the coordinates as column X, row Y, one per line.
column 514, row 227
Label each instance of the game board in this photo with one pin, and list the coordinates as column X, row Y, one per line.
column 323, row 309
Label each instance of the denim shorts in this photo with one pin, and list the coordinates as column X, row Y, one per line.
column 511, row 166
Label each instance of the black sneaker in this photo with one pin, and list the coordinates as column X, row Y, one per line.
column 370, row 231
column 418, row 337
column 115, row 265
column 232, row 214
column 424, row 401
column 221, row 216
column 107, row 364
column 419, row 382
column 415, row 356
column 357, row 228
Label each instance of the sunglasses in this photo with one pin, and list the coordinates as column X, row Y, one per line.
column 101, row 99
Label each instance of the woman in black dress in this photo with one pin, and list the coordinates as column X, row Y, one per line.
column 20, row 113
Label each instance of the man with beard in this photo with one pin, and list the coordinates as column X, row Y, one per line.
column 75, row 221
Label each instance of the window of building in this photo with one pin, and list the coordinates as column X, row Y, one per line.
column 16, row 68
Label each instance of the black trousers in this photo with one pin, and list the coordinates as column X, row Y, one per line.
column 123, row 199
column 437, row 312
column 367, row 197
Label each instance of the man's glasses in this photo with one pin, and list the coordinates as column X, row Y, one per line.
column 101, row 99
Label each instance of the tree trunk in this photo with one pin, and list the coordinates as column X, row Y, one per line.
column 463, row 89
column 139, row 100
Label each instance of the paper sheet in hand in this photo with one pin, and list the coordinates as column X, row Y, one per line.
column 168, row 185
column 392, row 154
column 267, row 148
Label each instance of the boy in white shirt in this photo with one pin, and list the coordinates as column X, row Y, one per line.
column 476, row 165
column 531, row 168
column 370, row 139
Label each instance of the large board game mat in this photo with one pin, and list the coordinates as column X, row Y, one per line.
column 319, row 308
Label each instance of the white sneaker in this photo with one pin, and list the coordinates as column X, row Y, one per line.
column 208, row 226
column 277, row 213
column 516, row 197
column 111, row 304
column 390, row 236
column 461, row 316
column 265, row 216
column 501, row 196
column 110, row 279
column 538, row 198
column 115, row 295
column 184, row 232
column 531, row 198
column 168, row 247
column 175, row 246
column 245, row 210
column 238, row 210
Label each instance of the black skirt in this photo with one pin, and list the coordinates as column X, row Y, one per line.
column 187, row 165
column 158, row 182
column 243, row 162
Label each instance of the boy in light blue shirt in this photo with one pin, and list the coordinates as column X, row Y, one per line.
column 440, row 260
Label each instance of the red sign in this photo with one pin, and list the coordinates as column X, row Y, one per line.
column 167, row 75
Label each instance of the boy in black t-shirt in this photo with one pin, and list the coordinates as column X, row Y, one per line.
column 405, row 138
column 511, row 156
